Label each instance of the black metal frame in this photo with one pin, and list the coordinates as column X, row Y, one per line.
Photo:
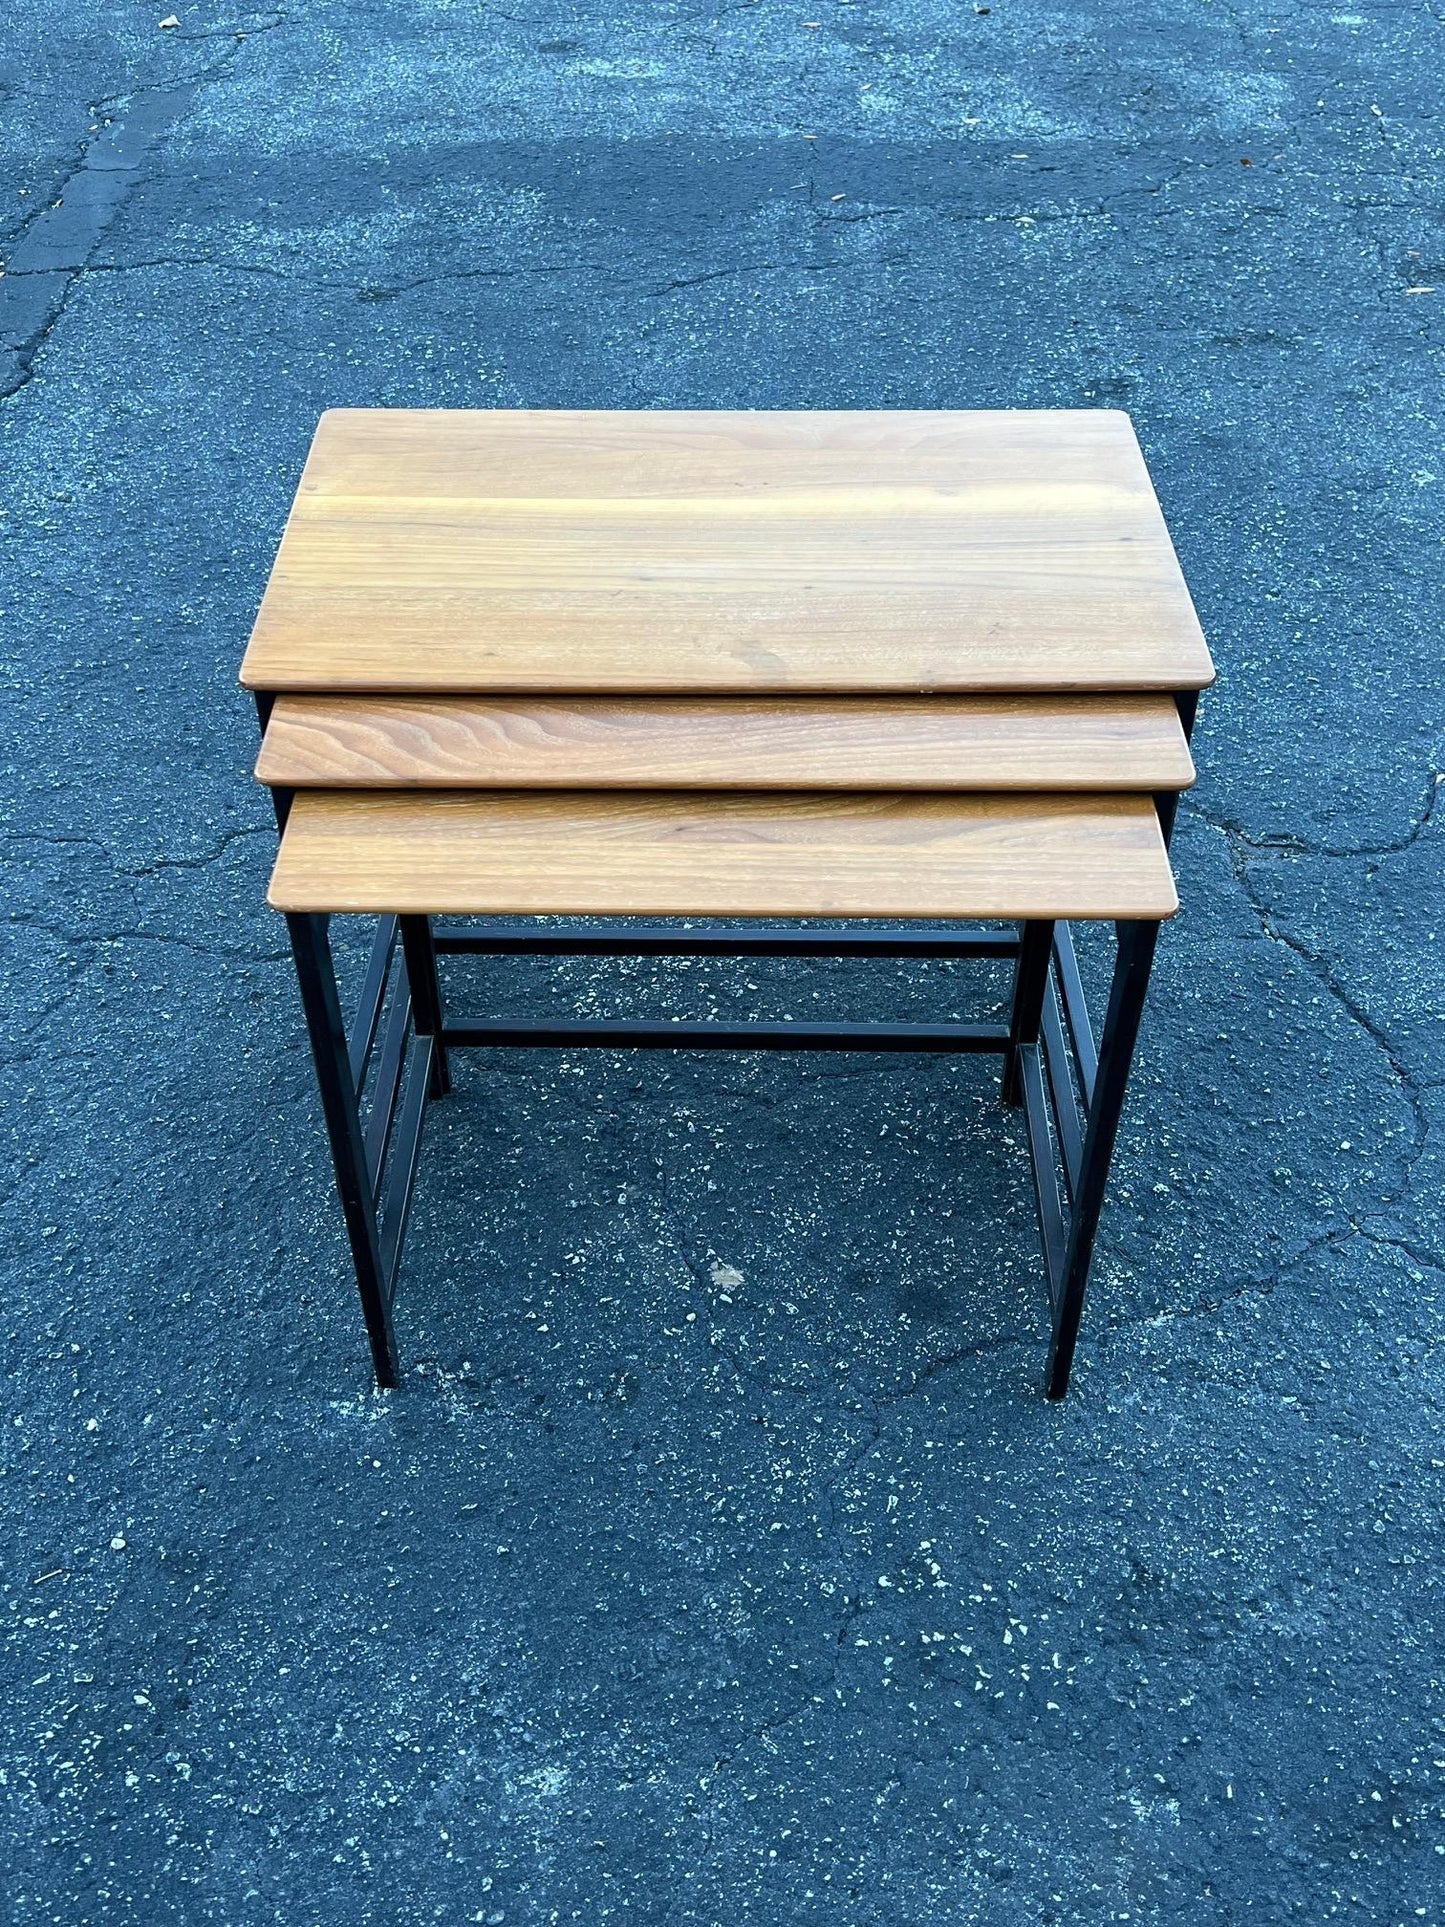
column 375, row 1086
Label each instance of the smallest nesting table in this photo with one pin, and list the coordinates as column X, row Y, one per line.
column 850, row 681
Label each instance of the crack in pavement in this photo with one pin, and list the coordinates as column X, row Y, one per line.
column 1239, row 849
column 55, row 245
column 155, row 866
column 20, row 269
column 1320, row 969
column 1293, row 845
column 94, row 939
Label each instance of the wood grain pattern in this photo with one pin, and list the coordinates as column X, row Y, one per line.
column 899, row 743
column 728, row 552
column 666, row 854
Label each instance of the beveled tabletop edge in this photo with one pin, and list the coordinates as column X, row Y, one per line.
column 1110, row 416
column 1122, row 685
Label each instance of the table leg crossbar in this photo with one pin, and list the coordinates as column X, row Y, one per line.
column 374, row 1087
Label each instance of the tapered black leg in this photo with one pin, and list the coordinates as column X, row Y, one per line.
column 316, row 975
column 1031, row 980
column 1116, row 1053
column 426, row 996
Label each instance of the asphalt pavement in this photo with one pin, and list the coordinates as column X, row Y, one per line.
column 719, row 1560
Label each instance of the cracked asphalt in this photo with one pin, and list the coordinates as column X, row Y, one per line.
column 719, row 1560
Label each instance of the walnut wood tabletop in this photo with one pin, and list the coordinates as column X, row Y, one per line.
column 700, row 742
column 671, row 854
column 528, row 551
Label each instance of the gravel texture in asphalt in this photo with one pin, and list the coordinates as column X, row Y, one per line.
column 719, row 1561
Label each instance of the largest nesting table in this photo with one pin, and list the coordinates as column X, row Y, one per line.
column 850, row 681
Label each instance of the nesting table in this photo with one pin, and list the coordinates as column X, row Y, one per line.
column 859, row 679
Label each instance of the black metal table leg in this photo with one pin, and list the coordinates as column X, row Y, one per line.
column 1116, row 1052
column 311, row 947
column 1031, row 979
column 375, row 1155
column 280, row 799
column 1166, row 802
column 426, row 996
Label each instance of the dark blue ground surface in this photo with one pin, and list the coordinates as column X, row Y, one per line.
column 661, row 1593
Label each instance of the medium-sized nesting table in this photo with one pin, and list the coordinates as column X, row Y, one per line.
column 822, row 672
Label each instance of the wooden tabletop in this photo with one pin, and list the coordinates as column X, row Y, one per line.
column 665, row 854
column 725, row 552
column 726, row 742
